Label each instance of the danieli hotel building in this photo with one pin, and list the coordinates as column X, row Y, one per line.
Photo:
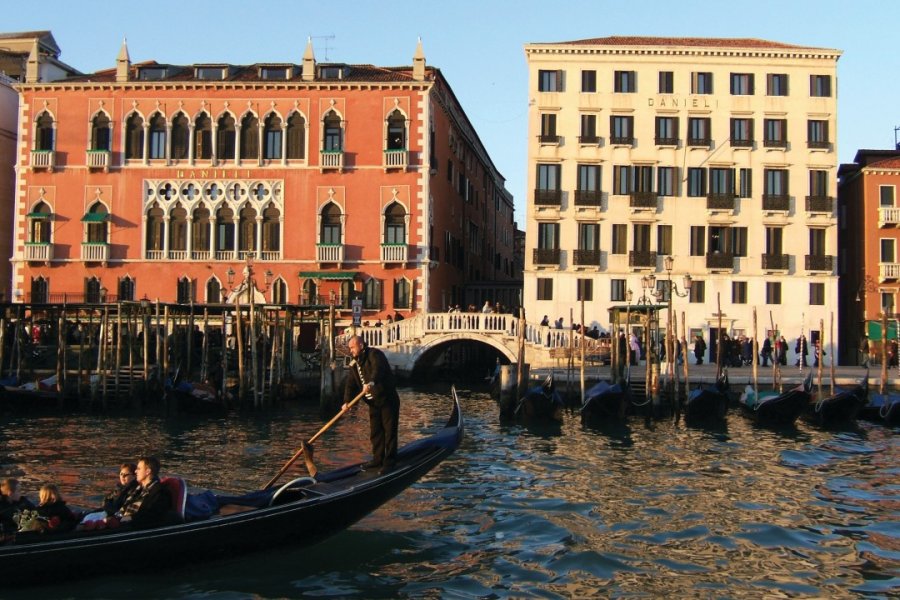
column 719, row 153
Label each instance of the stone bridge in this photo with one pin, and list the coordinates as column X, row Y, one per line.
column 408, row 342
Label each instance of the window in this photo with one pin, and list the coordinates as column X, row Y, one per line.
column 92, row 290
column 776, row 182
column 273, row 73
column 818, row 183
column 817, row 134
column 402, row 293
column 155, row 229
column 226, row 137
column 701, row 83
column 817, row 294
column 817, row 243
column 279, row 291
column 776, row 84
column 157, row 134
column 719, row 238
column 887, row 302
column 666, row 131
column 39, row 224
column 100, row 132
column 585, row 290
column 548, row 236
column 548, row 128
column 225, row 237
column 698, row 292
column 134, row 137
column 247, row 229
column 617, row 290
column 742, row 133
column 250, row 137
column 589, row 130
column 180, row 137
column 773, row 292
column 666, row 82
column 331, row 72
column 330, row 232
column 886, row 196
column 96, row 225
column 622, row 180
column 40, row 290
column 642, row 237
column 696, row 181
column 125, row 289
column 746, row 183
column 200, row 229
column 210, row 74
column 332, row 140
column 184, row 291
column 272, row 137
column 621, row 129
column 589, row 236
column 664, row 239
column 643, row 178
column 721, row 182
column 395, row 224
column 619, row 239
column 698, row 240
column 625, row 82
column 544, row 288
column 203, row 137
column 548, row 177
column 820, row 86
column 271, row 229
column 739, row 292
column 588, row 178
column 775, row 133
column 310, row 292
column 739, row 241
column 296, row 137
column 550, row 81
column 178, row 230
column 775, row 241
column 666, row 181
column 152, row 73
column 372, row 293
column 699, row 131
column 742, row 84
column 589, row 81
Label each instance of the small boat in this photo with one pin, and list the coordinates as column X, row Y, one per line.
column 708, row 402
column 605, row 401
column 40, row 394
column 882, row 407
column 194, row 397
column 842, row 407
column 772, row 408
column 300, row 512
column 541, row 402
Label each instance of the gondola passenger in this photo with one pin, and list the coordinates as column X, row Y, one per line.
column 149, row 503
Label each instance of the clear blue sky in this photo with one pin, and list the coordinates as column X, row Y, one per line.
column 478, row 44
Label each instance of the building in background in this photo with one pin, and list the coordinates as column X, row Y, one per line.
column 720, row 153
column 337, row 182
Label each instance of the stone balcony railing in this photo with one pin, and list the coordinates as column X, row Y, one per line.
column 396, row 159
column 97, row 159
column 331, row 159
column 330, row 253
column 38, row 251
column 888, row 216
column 394, row 253
column 43, row 159
column 94, row 251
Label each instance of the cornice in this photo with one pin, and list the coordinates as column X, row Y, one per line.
column 227, row 85
column 779, row 53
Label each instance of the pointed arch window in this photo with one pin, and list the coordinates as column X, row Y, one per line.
column 203, row 137
column 225, row 229
column 178, row 229
column 346, row 300
column 310, row 293
column 181, row 136
column 44, row 132
column 250, row 137
column 402, row 293
column 331, row 225
column 396, row 131
column 155, row 231
column 214, row 291
column 225, row 138
column 92, row 290
column 200, row 229
column 247, row 229
column 185, row 291
column 134, row 137
column 126, row 288
column 279, row 291
column 333, row 140
column 157, row 134
column 101, row 137
column 395, row 224
column 372, row 294
column 271, row 230
column 272, row 137
column 296, row 137
column 40, row 290
column 39, row 224
column 96, row 225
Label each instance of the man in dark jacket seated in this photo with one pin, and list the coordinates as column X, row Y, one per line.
column 149, row 505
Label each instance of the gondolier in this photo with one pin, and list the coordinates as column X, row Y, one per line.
column 371, row 373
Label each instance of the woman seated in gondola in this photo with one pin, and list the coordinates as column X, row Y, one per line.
column 51, row 515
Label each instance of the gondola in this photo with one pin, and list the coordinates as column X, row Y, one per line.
column 774, row 409
column 840, row 408
column 32, row 395
column 541, row 402
column 708, row 402
column 299, row 512
column 193, row 397
column 605, row 401
column 882, row 407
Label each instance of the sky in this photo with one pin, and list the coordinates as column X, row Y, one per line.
column 479, row 46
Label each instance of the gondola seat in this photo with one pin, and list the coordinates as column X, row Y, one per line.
column 177, row 489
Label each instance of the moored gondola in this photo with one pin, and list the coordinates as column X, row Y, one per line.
column 605, row 401
column 300, row 512
column 774, row 409
column 882, row 408
column 840, row 408
column 708, row 402
column 541, row 402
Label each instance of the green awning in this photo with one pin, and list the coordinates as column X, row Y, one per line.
column 94, row 217
column 327, row 274
column 873, row 328
column 38, row 215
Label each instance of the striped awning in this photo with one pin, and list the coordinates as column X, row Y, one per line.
column 336, row 275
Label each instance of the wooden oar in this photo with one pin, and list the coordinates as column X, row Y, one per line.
column 314, row 438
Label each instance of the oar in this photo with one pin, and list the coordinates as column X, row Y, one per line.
column 314, row 438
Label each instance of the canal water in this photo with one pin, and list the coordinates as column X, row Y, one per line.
column 636, row 510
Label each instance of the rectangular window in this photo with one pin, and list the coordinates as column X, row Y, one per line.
column 550, row 81
column 621, row 129
column 588, row 236
column 617, row 290
column 696, row 181
column 273, row 73
column 589, row 81
column 773, row 292
column 588, row 178
column 664, row 239
column 698, row 292
column 739, row 292
column 621, row 180
column 721, row 181
column 642, row 237
column 589, row 130
column 619, row 239
column 701, row 83
column 585, row 290
column 643, row 178
column 777, row 84
column 886, row 196
column 666, row 82
column 699, row 131
column 698, row 240
column 742, row 133
column 739, row 241
column 776, row 182
column 817, row 242
column 775, row 241
column 775, row 133
column 625, row 82
column 817, row 133
column 820, row 86
column 887, row 302
column 719, row 240
column 818, row 183
column 666, row 131
column 548, row 128
column 817, row 294
column 548, row 236
column 157, row 143
column 742, row 84
column 665, row 181
column 746, row 183
column 548, row 177
column 544, row 288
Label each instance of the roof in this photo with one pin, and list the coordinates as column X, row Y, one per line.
column 699, row 42
column 887, row 163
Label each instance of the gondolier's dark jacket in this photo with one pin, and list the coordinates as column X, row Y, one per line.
column 376, row 370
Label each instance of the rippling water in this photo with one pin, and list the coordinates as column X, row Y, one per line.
column 636, row 510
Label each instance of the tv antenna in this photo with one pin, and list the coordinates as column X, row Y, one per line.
column 896, row 142
column 325, row 47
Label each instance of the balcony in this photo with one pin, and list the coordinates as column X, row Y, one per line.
column 741, row 143
column 396, row 159
column 818, row 145
column 643, row 200
column 720, row 201
column 270, row 255
column 642, row 259
column 43, row 159
column 666, row 141
column 203, row 255
column 38, row 251
column 820, row 262
column 776, row 202
column 703, row 142
column 888, row 217
column 94, row 251
column 888, row 271
column 330, row 253
column 331, row 159
column 589, row 140
column 155, row 254
column 394, row 253
column 97, row 159
column 588, row 198
column 178, row 254
column 820, row 204
column 621, row 140
column 546, row 256
column 587, row 258
column 548, row 198
column 776, row 262
column 719, row 261
column 551, row 140
column 775, row 143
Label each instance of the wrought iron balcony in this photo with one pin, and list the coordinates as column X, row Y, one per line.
column 547, row 197
column 589, row 139
column 720, row 261
column 548, row 139
column 587, row 258
column 775, row 143
column 640, row 258
column 818, row 144
column 776, row 202
column 820, row 262
column 720, row 201
column 588, row 198
column 704, row 141
column 741, row 143
column 622, row 140
column 820, row 204
column 666, row 141
column 643, row 200
column 776, row 262
column 546, row 256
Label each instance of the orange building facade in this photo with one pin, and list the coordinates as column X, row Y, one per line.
column 334, row 182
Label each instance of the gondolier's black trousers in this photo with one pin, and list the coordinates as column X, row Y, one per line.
column 383, row 422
